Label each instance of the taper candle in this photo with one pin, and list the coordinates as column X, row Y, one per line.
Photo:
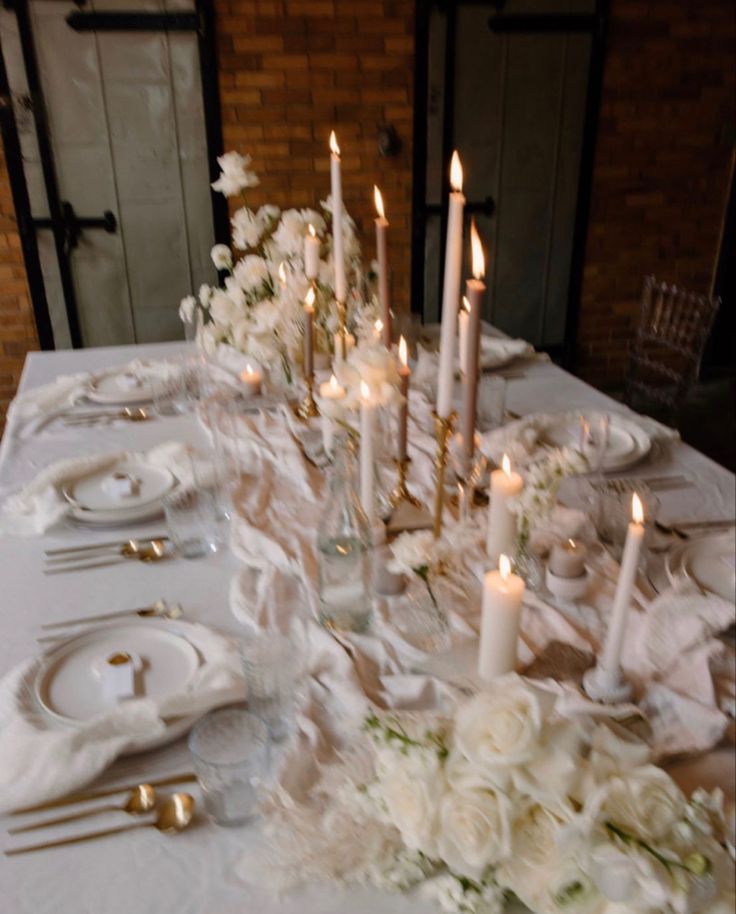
column 475, row 289
column 462, row 335
column 337, row 239
column 451, row 289
column 501, row 520
column 331, row 393
column 366, row 452
column 503, row 593
column 311, row 253
column 309, row 333
column 384, row 295
column 404, row 375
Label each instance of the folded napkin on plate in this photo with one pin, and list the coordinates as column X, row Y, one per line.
column 41, row 760
column 525, row 442
column 39, row 504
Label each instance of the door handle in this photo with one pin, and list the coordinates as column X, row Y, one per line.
column 72, row 225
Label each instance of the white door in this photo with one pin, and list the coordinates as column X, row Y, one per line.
column 126, row 126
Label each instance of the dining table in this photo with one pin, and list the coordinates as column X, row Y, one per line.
column 195, row 872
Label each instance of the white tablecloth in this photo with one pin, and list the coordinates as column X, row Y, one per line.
column 192, row 872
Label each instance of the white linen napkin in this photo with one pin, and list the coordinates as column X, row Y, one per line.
column 39, row 504
column 41, row 759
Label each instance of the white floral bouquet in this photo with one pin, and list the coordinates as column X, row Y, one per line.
column 517, row 794
column 259, row 311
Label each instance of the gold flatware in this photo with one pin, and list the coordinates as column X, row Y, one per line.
column 159, row 609
column 141, row 799
column 174, row 815
column 149, row 556
column 130, row 414
column 91, row 547
column 174, row 779
column 132, row 549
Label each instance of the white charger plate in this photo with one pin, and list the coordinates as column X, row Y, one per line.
column 89, row 494
column 628, row 443
column 115, row 388
column 708, row 561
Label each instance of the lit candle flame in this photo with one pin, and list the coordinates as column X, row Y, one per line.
column 506, row 465
column 334, row 383
column 572, row 544
column 456, row 172
column 248, row 368
column 312, row 231
column 378, row 325
column 334, row 148
column 282, row 273
column 309, row 297
column 378, row 199
column 504, row 566
column 365, row 391
column 403, row 354
column 466, row 304
column 158, row 548
column 637, row 509
column 479, row 260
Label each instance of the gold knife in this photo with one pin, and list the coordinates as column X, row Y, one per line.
column 108, row 792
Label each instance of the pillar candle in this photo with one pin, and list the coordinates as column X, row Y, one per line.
column 475, row 290
column 250, row 380
column 503, row 593
column 501, row 520
column 332, row 392
column 337, row 240
column 462, row 335
column 404, row 375
column 309, row 334
column 451, row 290
column 383, row 274
column 367, row 411
column 567, row 560
column 611, row 657
column 311, row 253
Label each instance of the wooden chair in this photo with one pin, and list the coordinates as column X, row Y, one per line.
column 665, row 356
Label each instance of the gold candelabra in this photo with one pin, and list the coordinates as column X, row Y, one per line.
column 400, row 491
column 442, row 429
column 341, row 328
column 307, row 409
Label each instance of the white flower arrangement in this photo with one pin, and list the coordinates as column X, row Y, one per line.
column 259, row 311
column 511, row 798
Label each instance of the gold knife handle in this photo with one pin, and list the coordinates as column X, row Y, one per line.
column 47, row 823
column 75, row 839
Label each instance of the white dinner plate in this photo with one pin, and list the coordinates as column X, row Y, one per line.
column 69, row 686
column 121, row 387
column 708, row 561
column 628, row 443
column 140, row 515
column 93, row 493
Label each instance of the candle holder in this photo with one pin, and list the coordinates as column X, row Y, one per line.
column 400, row 491
column 442, row 429
column 307, row 409
column 608, row 687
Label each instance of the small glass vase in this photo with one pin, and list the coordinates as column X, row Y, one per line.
column 419, row 615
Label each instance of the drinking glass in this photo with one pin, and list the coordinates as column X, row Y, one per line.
column 191, row 518
column 275, row 665
column 178, row 391
column 491, row 402
column 231, row 757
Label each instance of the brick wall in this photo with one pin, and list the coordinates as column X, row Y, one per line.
column 664, row 150
column 290, row 72
column 17, row 325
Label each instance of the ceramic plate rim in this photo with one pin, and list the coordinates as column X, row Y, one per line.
column 674, row 559
column 171, row 481
column 144, row 394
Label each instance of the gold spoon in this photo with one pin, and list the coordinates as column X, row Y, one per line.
column 159, row 610
column 174, row 815
column 140, row 799
column 133, row 549
column 129, row 413
column 155, row 552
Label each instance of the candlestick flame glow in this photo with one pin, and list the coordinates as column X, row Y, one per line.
column 309, row 298
column 466, row 304
column 456, row 172
column 403, row 354
column 334, row 148
column 312, row 231
column 572, row 544
column 637, row 509
column 378, row 325
column 365, row 391
column 282, row 273
column 504, row 566
column 248, row 368
column 479, row 260
column 334, row 383
column 506, row 464
column 378, row 200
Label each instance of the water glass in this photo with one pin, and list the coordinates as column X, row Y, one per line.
column 191, row 518
column 231, row 756
column 275, row 666
column 178, row 391
column 491, row 402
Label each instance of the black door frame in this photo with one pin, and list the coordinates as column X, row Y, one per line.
column 594, row 24
column 63, row 222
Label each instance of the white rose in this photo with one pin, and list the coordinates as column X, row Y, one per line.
column 265, row 317
column 233, row 289
column 473, row 822
column 186, row 309
column 251, row 272
column 221, row 257
column 645, row 802
column 289, row 235
column 570, row 890
column 411, row 551
column 411, row 789
column 268, row 214
column 205, row 294
column 246, row 228
column 500, row 729
column 629, row 877
column 223, row 309
column 534, row 835
column 234, row 174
